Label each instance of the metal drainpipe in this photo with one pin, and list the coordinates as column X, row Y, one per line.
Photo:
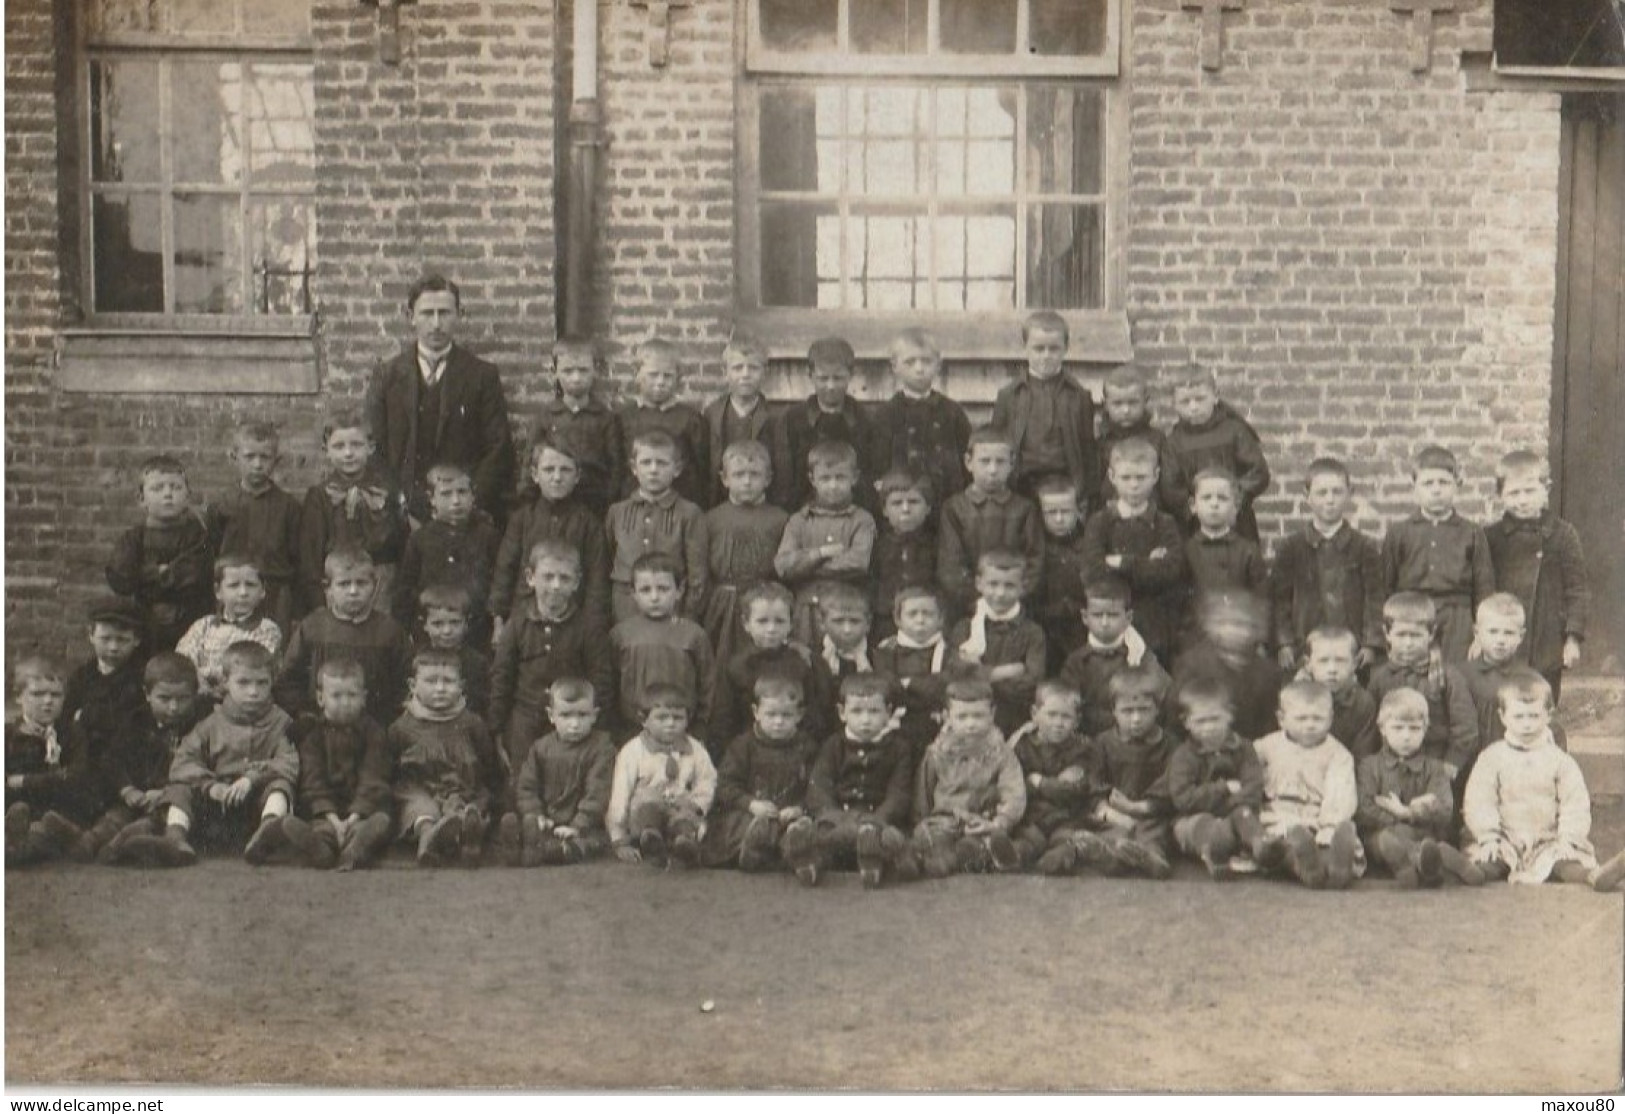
column 586, row 137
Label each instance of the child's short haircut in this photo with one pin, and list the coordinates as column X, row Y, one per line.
column 745, row 344
column 914, row 592
column 554, row 550
column 1134, row 450
column 1204, row 692
column 768, row 591
column 169, row 668
column 1127, row 377
column 1523, row 683
column 901, row 479
column 747, row 452
column 245, row 655
column 1194, row 375
column 1409, row 607
column 257, row 433
column 1521, row 462
column 862, row 686
column 236, row 559
column 1045, row 321
column 1436, row 458
column 347, row 559
column 575, row 347
column 656, row 440
column 348, row 417
column 989, row 435
column 342, row 669
column 1056, row 483
column 1108, row 587
column 1327, row 466
column 444, row 473
column 843, row 597
column 1136, row 680
column 430, row 658
column 1403, row 703
column 770, row 687
column 161, row 464
column 1216, row 475
column 666, row 695
column 1000, row 560
column 975, row 689
column 1502, row 605
column 656, row 348
column 38, row 667
column 1056, row 689
column 912, row 340
column 1301, row 694
column 657, row 564
column 831, row 352
column 1321, row 635
column 545, row 444
column 445, row 597
column 832, row 454
column 571, row 689
column 433, row 283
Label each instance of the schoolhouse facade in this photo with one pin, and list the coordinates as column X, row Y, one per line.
column 1376, row 235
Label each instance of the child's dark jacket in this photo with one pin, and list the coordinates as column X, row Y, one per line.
column 1072, row 410
column 568, row 783
column 533, row 651
column 1226, row 440
column 1197, row 777
column 1137, row 769
column 1166, row 497
column 800, row 426
column 377, row 642
column 592, row 435
column 1452, row 731
column 571, row 521
column 1158, row 583
column 169, row 571
column 1255, row 686
column 450, row 757
column 974, row 523
column 440, row 553
column 344, row 769
column 735, row 692
column 1089, row 669
column 1540, row 562
column 876, row 777
column 54, row 776
column 369, row 514
column 1386, row 773
column 1319, row 581
column 926, row 436
column 761, row 769
column 1053, row 803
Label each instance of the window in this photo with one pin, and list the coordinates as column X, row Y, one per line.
column 198, row 170
column 929, row 156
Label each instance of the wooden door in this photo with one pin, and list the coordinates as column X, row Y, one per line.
column 1588, row 392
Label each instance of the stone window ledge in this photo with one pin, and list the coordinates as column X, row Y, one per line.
column 131, row 361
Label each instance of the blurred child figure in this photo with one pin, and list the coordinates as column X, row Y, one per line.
column 1310, row 794
column 761, row 818
column 1130, row 766
column 548, row 640
column 45, row 772
column 663, row 786
column 444, row 611
column 1406, row 803
column 1125, row 414
column 562, row 791
column 1452, row 731
column 1439, row 553
column 261, row 520
column 859, row 791
column 457, row 546
column 1050, row 418
column 740, row 415
column 919, row 429
column 1111, row 646
column 1219, row 558
column 1331, row 656
column 1061, row 791
column 1328, row 574
column 448, row 772
column 1233, row 629
column 654, row 408
column 1537, row 557
column 1131, row 538
column 578, row 423
column 1210, row 433
column 1498, row 636
column 916, row 660
column 968, row 792
column 349, row 626
column 829, row 414
column 557, row 514
column 827, row 542
column 1001, row 639
column 1215, row 783
column 356, row 506
column 100, row 700
column 986, row 516
column 1059, row 602
column 239, row 594
column 766, row 652
column 165, row 562
column 344, row 776
column 659, row 647
column 743, row 531
column 657, row 519
column 1527, row 811
column 905, row 553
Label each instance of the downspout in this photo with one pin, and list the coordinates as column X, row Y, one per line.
column 586, row 137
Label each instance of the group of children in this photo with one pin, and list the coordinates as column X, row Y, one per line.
column 825, row 635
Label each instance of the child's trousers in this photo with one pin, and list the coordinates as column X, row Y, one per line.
column 1215, row 839
column 668, row 819
column 218, row 826
column 418, row 804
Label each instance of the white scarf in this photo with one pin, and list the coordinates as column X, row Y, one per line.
column 53, row 748
column 833, row 657
column 975, row 646
column 1131, row 641
column 936, row 644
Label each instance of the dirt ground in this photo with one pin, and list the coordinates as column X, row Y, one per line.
column 593, row 977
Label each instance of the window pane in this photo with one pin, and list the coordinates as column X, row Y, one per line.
column 966, row 163
column 792, row 260
column 807, row 25
column 208, row 256
column 1064, row 140
column 124, row 15
column 203, row 16
column 277, row 17
column 978, row 26
column 887, row 154
column 205, row 99
column 887, row 253
column 1067, row 27
column 282, row 249
column 124, row 121
column 127, row 238
column 889, row 26
column 791, row 156
column 281, row 139
column 1065, row 257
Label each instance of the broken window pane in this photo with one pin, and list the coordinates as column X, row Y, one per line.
column 206, row 99
column 208, row 255
column 1065, row 257
column 124, row 121
column 128, row 240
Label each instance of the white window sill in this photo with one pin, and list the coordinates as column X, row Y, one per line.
column 134, row 361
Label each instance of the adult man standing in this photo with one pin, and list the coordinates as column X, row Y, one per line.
column 439, row 403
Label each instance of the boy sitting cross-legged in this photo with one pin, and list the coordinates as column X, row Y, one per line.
column 1215, row 783
column 663, row 786
column 858, row 794
column 137, row 769
column 1310, row 794
column 1061, row 789
column 1131, row 764
column 968, row 793
column 562, row 791
column 762, row 787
